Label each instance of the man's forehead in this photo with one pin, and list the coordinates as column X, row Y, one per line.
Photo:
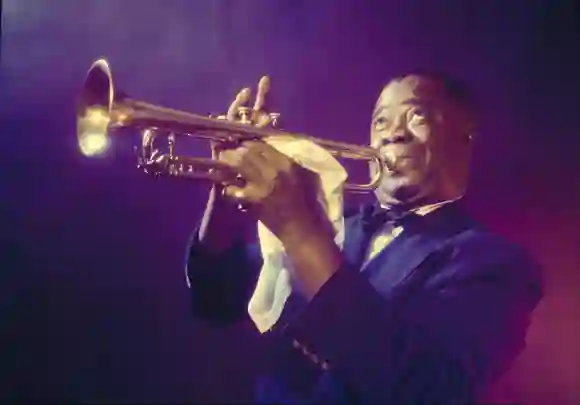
column 411, row 88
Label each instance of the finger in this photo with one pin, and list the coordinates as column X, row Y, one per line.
column 241, row 98
column 248, row 161
column 246, row 150
column 223, row 174
column 262, row 120
column 217, row 147
column 263, row 88
column 265, row 152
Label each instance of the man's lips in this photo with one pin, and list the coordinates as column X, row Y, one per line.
column 397, row 153
column 394, row 157
column 397, row 162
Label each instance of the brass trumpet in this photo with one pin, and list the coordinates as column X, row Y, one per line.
column 102, row 111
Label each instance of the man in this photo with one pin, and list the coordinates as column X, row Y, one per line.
column 422, row 305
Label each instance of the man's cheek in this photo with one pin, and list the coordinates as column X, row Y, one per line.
column 422, row 133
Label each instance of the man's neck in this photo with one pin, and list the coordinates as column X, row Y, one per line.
column 421, row 206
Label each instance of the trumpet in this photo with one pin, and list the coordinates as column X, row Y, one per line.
column 102, row 111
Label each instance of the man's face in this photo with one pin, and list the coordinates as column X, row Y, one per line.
column 424, row 136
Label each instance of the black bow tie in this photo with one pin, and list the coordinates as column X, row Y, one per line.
column 375, row 216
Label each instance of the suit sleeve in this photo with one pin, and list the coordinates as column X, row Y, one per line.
column 442, row 342
column 221, row 285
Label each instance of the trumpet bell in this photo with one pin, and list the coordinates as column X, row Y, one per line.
column 94, row 109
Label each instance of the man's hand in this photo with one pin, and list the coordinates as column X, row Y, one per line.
column 222, row 222
column 279, row 192
column 284, row 197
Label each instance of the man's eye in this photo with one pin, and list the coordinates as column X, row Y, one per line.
column 380, row 123
column 418, row 114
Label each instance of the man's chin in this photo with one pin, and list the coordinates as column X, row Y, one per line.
column 400, row 191
column 408, row 194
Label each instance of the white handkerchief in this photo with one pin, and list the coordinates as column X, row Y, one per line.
column 274, row 284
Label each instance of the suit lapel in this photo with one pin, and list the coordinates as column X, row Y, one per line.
column 419, row 239
column 400, row 258
column 356, row 240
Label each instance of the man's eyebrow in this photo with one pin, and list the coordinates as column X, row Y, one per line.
column 415, row 102
column 378, row 111
column 410, row 102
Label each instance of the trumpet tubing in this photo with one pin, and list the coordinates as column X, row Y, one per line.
column 102, row 111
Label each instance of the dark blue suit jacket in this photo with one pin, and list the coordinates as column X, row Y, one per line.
column 436, row 317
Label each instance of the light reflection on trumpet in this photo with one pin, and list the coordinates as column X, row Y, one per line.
column 102, row 111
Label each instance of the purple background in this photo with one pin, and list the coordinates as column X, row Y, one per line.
column 93, row 299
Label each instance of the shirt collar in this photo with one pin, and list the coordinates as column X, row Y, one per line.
column 427, row 209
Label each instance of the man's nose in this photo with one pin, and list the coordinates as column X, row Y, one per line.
column 399, row 136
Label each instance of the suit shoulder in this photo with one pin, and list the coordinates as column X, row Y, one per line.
column 488, row 248
column 491, row 242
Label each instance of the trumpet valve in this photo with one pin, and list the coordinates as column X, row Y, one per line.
column 274, row 117
column 245, row 115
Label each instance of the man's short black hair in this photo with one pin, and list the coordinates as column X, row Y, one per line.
column 457, row 90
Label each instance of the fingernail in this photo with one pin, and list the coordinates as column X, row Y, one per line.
column 264, row 81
